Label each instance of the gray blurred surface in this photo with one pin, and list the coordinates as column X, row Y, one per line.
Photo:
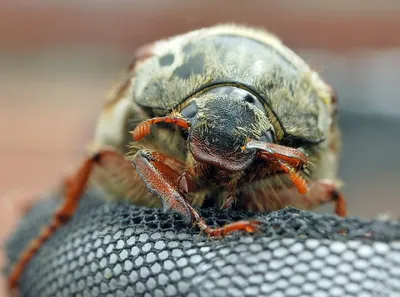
column 370, row 164
column 118, row 249
column 367, row 80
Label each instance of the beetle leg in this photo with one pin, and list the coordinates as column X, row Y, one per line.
column 163, row 180
column 143, row 128
column 247, row 226
column 324, row 191
column 288, row 159
column 229, row 201
column 332, row 193
column 231, row 197
column 75, row 186
column 320, row 192
column 160, row 177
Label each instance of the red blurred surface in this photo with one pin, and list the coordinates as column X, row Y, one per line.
column 338, row 25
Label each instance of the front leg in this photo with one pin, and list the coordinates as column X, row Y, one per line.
column 161, row 177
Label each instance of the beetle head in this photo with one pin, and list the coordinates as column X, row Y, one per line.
column 222, row 120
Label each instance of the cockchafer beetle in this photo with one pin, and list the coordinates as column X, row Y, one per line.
column 225, row 116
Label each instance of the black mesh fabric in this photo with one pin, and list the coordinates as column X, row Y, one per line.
column 118, row 249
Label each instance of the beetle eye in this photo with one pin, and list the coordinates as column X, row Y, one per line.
column 239, row 94
column 190, row 111
column 250, row 98
column 268, row 136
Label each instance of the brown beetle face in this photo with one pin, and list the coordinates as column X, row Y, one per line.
column 222, row 120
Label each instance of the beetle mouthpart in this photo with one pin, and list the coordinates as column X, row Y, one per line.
column 296, row 178
column 288, row 159
column 143, row 128
column 294, row 158
column 217, row 155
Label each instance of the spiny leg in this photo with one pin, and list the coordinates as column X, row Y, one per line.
column 162, row 180
column 292, row 161
column 324, row 191
column 320, row 192
column 332, row 190
column 75, row 186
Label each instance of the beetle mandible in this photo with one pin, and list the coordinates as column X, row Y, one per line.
column 225, row 116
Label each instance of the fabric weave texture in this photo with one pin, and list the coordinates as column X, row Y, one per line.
column 119, row 249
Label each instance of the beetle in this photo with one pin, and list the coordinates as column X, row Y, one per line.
column 225, row 116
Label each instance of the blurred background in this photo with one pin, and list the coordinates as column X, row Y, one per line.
column 58, row 59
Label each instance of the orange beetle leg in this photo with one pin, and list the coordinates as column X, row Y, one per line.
column 320, row 192
column 75, row 186
column 247, row 226
column 163, row 180
column 143, row 128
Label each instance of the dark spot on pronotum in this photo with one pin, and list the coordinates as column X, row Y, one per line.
column 193, row 65
column 166, row 60
column 187, row 48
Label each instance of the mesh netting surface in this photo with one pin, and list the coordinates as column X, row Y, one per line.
column 118, row 249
